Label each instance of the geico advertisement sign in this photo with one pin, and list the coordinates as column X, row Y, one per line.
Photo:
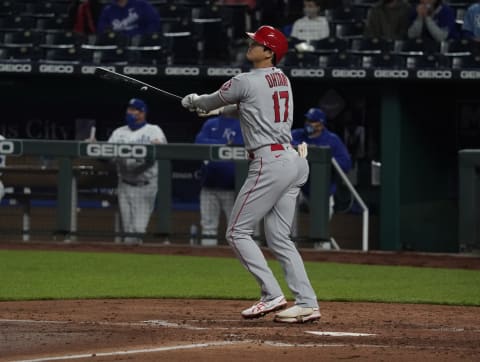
column 231, row 153
column 7, row 148
column 115, row 150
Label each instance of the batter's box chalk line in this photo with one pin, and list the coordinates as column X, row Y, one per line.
column 340, row 334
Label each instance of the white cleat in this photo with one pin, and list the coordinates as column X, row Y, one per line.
column 264, row 307
column 297, row 314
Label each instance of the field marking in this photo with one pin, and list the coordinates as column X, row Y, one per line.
column 340, row 334
column 164, row 323
column 131, row 351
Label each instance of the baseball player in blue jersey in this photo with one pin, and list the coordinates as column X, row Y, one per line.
column 218, row 177
column 315, row 133
column 262, row 99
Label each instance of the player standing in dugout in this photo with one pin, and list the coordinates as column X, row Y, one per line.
column 262, row 100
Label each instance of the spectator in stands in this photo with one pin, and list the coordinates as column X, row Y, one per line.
column 83, row 16
column 312, row 26
column 137, row 177
column 315, row 133
column 129, row 17
column 432, row 19
column 218, row 177
column 471, row 22
column 388, row 19
column 2, row 165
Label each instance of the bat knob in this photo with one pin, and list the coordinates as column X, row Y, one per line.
column 144, row 88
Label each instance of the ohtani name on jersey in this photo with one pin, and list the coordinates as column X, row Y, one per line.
column 276, row 80
column 116, row 150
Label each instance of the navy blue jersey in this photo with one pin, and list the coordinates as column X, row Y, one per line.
column 137, row 17
column 220, row 131
column 326, row 138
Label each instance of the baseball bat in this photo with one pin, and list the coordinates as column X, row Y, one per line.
column 132, row 82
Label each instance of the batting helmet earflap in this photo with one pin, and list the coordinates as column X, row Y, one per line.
column 272, row 38
column 316, row 115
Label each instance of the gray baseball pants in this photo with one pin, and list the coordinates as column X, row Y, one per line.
column 270, row 192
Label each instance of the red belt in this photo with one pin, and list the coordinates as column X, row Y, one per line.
column 273, row 147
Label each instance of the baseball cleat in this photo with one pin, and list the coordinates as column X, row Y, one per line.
column 264, row 307
column 297, row 314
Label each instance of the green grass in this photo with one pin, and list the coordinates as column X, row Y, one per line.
column 28, row 275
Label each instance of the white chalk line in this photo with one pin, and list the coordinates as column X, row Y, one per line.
column 340, row 334
column 131, row 351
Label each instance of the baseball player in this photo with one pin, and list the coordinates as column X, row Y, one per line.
column 2, row 165
column 218, row 178
column 137, row 178
column 316, row 133
column 262, row 100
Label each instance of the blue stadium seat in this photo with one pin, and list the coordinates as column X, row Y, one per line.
column 418, row 46
column 429, row 61
column 21, row 38
column 235, row 19
column 305, row 59
column 463, row 47
column 349, row 30
column 108, row 38
column 107, row 54
column 339, row 60
column 18, row 53
column 344, row 15
column 329, row 45
column 11, row 7
column 16, row 23
column 182, row 48
column 383, row 60
column 61, row 55
column 370, row 46
column 147, row 49
column 55, row 23
column 468, row 62
column 61, row 39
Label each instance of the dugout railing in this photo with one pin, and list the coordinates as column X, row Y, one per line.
column 73, row 164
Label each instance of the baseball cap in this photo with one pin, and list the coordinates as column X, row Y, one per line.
column 138, row 104
column 316, row 115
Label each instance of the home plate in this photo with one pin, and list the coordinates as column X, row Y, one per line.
column 340, row 334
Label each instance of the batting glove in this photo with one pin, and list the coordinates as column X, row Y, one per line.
column 188, row 101
column 212, row 113
column 302, row 149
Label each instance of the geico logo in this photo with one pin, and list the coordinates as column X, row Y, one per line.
column 223, row 71
column 87, row 69
column 140, row 70
column 182, row 71
column 434, row 74
column 6, row 147
column 17, row 68
column 349, row 73
column 313, row 73
column 109, row 150
column 54, row 68
column 469, row 74
column 231, row 153
column 390, row 73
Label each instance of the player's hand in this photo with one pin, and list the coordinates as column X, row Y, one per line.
column 188, row 102
column 302, row 149
column 212, row 113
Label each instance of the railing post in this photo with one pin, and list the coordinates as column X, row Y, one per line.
column 320, row 175
column 164, row 197
column 64, row 195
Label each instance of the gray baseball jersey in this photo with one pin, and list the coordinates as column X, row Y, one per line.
column 263, row 99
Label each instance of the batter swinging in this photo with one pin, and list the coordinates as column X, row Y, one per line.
column 262, row 100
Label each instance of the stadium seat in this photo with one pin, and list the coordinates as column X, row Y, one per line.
column 213, row 42
column 235, row 18
column 416, row 46
column 384, row 60
column 349, row 30
column 296, row 59
column 17, row 53
column 329, row 45
column 10, row 7
column 463, row 47
column 55, row 23
column 108, row 38
column 16, row 23
column 107, row 54
column 422, row 61
column 47, row 8
column 370, row 46
column 61, row 40
column 339, row 60
column 61, row 55
column 147, row 49
column 20, row 38
column 465, row 62
column 344, row 15
column 173, row 12
column 182, row 48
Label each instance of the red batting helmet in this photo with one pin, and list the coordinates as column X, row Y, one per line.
column 272, row 38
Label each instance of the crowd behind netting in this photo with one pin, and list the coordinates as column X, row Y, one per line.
column 322, row 33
